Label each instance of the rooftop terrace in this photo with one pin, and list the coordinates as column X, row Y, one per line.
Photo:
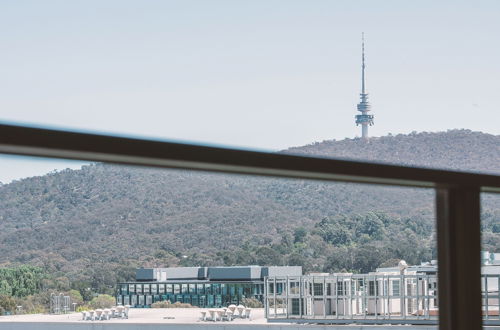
column 169, row 318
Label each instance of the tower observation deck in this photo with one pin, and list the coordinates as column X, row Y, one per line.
column 364, row 119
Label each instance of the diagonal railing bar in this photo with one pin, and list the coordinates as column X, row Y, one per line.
column 93, row 147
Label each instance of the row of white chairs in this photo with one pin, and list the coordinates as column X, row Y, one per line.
column 226, row 314
column 106, row 314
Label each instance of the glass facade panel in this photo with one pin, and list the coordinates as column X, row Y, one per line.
column 203, row 301
column 216, row 288
column 195, row 300
column 218, row 300
column 196, row 294
column 247, row 290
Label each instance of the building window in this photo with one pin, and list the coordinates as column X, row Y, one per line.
column 177, row 288
column 396, row 288
column 318, row 289
column 340, row 288
column 372, row 288
column 295, row 306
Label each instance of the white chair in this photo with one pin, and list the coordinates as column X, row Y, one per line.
column 84, row 316
column 126, row 310
column 91, row 315
column 203, row 316
column 247, row 313
column 119, row 311
column 213, row 316
column 228, row 315
column 107, row 314
column 232, row 308
column 220, row 313
column 98, row 314
column 240, row 309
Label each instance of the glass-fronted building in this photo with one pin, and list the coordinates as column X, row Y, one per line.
column 199, row 286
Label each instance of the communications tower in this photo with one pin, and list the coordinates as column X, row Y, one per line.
column 364, row 119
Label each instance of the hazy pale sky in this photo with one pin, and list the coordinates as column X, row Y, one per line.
column 256, row 74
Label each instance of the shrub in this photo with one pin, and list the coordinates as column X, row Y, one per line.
column 168, row 304
column 102, row 301
column 7, row 304
column 252, row 303
column 76, row 297
column 83, row 308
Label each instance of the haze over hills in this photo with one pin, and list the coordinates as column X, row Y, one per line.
column 98, row 223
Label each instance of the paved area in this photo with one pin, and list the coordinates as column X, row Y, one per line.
column 168, row 318
column 141, row 315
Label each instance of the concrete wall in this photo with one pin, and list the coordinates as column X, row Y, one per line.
column 145, row 274
column 234, row 273
column 282, row 271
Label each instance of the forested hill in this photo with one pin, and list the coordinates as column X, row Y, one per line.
column 455, row 149
column 98, row 223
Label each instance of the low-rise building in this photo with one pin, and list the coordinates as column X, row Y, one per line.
column 199, row 286
column 400, row 294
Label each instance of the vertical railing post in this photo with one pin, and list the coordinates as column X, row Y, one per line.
column 286, row 294
column 266, row 303
column 459, row 263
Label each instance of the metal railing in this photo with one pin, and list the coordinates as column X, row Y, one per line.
column 366, row 298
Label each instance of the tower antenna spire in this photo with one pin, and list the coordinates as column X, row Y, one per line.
column 363, row 62
column 364, row 119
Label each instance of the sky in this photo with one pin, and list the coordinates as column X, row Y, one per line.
column 260, row 74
